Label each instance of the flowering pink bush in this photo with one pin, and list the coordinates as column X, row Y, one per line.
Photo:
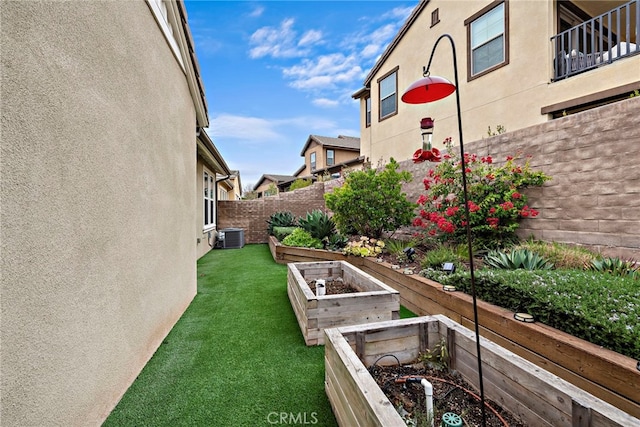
column 496, row 202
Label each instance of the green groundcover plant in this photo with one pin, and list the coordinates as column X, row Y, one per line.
column 496, row 202
column 601, row 308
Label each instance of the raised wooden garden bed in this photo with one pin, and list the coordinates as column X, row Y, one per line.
column 538, row 397
column 373, row 302
column 605, row 374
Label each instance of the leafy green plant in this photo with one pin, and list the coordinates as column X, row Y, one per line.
column 499, row 130
column 397, row 247
column 598, row 307
column 281, row 232
column 615, row 266
column 435, row 258
column 318, row 224
column 303, row 239
column 496, row 202
column 517, row 259
column 300, row 183
column 364, row 247
column 371, row 202
column 280, row 219
column 438, row 357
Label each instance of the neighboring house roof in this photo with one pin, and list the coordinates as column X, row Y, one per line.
column 376, row 67
column 210, row 153
column 342, row 142
column 277, row 179
column 194, row 79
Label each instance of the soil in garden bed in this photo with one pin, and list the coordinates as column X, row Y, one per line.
column 451, row 393
column 334, row 286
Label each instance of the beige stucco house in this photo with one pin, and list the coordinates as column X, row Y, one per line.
column 102, row 206
column 520, row 63
column 324, row 155
column 229, row 186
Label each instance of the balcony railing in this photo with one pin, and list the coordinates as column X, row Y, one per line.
column 598, row 41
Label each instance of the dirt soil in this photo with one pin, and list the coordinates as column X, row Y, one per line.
column 334, row 287
column 451, row 393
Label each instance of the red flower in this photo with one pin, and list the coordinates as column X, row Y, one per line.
column 487, row 160
column 493, row 222
column 417, row 222
column 422, row 199
column 473, row 207
column 506, row 205
column 451, row 211
column 427, row 183
column 516, row 195
column 509, row 158
column 490, row 177
column 492, row 210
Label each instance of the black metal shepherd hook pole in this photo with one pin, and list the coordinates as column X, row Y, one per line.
column 428, row 98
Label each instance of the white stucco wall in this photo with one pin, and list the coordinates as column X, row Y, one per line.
column 98, row 205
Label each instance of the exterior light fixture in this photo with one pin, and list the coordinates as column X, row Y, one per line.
column 449, row 267
column 431, row 89
column 409, row 252
column 524, row 317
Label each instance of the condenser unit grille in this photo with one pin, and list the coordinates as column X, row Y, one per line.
column 233, row 238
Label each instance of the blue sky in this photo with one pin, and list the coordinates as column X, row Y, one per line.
column 276, row 72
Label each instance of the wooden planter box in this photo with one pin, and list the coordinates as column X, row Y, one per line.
column 538, row 397
column 375, row 301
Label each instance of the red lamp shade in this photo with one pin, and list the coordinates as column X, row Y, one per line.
column 428, row 89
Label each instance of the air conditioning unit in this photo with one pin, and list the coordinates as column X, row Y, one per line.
column 231, row 238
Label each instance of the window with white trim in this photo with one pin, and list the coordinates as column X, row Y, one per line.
column 367, row 119
column 488, row 40
column 388, row 95
column 331, row 157
column 209, row 186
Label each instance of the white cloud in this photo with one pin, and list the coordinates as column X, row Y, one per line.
column 324, row 72
column 310, row 37
column 325, row 103
column 281, row 42
column 401, row 13
column 229, row 126
column 257, row 12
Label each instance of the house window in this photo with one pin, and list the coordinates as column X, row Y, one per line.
column 388, row 94
column 368, row 111
column 435, row 17
column 331, row 160
column 312, row 161
column 488, row 40
column 164, row 18
column 209, row 201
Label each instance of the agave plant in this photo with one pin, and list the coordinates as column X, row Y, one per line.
column 615, row 266
column 280, row 219
column 517, row 259
column 318, row 224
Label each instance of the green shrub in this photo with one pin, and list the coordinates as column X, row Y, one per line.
column 318, row 224
column 280, row 219
column 517, row 259
column 371, row 202
column 615, row 266
column 600, row 308
column 281, row 232
column 300, row 183
column 303, row 239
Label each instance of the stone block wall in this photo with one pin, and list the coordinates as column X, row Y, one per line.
column 593, row 198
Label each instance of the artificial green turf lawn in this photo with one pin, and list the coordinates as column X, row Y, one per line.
column 235, row 358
